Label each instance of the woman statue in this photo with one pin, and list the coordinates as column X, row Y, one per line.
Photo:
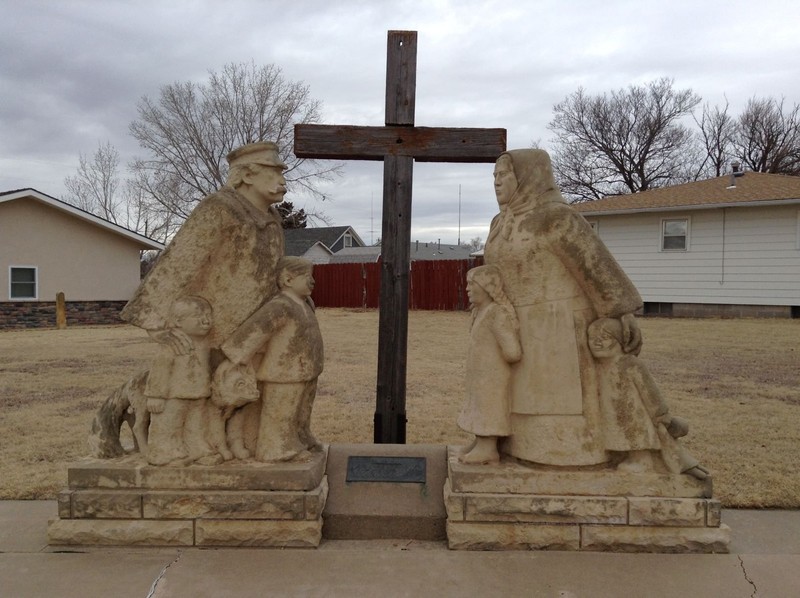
column 560, row 278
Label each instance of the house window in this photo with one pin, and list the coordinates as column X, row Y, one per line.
column 675, row 234
column 22, row 282
column 348, row 240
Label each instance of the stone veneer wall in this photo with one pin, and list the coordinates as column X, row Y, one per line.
column 717, row 310
column 42, row 314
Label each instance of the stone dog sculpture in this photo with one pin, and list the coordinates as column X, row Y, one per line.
column 226, row 253
column 560, row 278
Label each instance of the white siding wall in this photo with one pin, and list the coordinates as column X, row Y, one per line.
column 758, row 263
column 317, row 255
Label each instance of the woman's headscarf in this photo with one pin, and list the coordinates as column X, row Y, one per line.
column 536, row 185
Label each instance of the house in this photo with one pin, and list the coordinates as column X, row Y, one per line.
column 48, row 246
column 317, row 245
column 727, row 246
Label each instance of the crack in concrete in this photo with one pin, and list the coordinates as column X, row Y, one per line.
column 163, row 572
column 747, row 578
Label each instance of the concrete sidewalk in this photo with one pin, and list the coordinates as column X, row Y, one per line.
column 764, row 561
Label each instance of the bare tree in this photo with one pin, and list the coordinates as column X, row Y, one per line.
column 99, row 189
column 768, row 137
column 631, row 140
column 716, row 136
column 193, row 126
column 95, row 186
column 474, row 244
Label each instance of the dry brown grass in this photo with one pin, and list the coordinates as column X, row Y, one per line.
column 736, row 381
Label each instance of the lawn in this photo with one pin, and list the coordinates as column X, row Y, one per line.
column 737, row 382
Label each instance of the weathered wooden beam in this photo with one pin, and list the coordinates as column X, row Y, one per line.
column 390, row 409
column 424, row 144
column 401, row 77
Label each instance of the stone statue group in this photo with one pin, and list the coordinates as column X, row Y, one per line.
column 553, row 374
column 240, row 347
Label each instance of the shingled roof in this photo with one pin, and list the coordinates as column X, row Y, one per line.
column 751, row 188
column 300, row 240
column 49, row 200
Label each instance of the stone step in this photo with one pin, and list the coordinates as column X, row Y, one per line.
column 371, row 510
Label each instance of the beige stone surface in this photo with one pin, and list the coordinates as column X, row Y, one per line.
column 546, row 509
column 244, row 504
column 494, row 347
column 559, row 277
column 64, row 502
column 619, row 538
column 123, row 472
column 376, row 510
column 684, row 512
column 120, row 532
column 713, row 513
column 282, row 339
column 225, row 254
column 512, row 536
column 294, row 534
column 515, row 478
column 454, row 503
column 133, row 472
column 106, row 504
column 315, row 500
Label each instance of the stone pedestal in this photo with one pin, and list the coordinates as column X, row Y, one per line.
column 515, row 506
column 127, row 502
column 372, row 510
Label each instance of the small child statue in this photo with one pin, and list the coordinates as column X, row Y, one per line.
column 178, row 388
column 493, row 346
column 636, row 419
column 285, row 331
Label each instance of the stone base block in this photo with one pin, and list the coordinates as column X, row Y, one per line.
column 512, row 536
column 487, row 509
column 120, row 532
column 279, row 534
column 384, row 509
column 128, row 502
column 132, row 471
column 514, row 477
column 633, row 538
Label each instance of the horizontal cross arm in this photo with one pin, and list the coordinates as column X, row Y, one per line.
column 424, row 144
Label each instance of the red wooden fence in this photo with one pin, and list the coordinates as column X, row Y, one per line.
column 440, row 285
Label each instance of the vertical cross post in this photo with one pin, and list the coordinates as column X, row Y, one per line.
column 401, row 83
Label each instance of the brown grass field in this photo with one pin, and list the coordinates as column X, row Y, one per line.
column 736, row 381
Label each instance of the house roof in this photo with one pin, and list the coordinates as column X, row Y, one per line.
column 357, row 255
column 419, row 251
column 438, row 251
column 300, row 240
column 52, row 202
column 750, row 189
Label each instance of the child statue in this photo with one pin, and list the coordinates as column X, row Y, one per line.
column 493, row 346
column 636, row 419
column 285, row 331
column 178, row 389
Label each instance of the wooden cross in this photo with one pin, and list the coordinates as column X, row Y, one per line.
column 398, row 144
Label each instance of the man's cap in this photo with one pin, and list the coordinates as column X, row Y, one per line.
column 264, row 153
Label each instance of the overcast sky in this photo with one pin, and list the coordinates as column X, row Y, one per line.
column 71, row 73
